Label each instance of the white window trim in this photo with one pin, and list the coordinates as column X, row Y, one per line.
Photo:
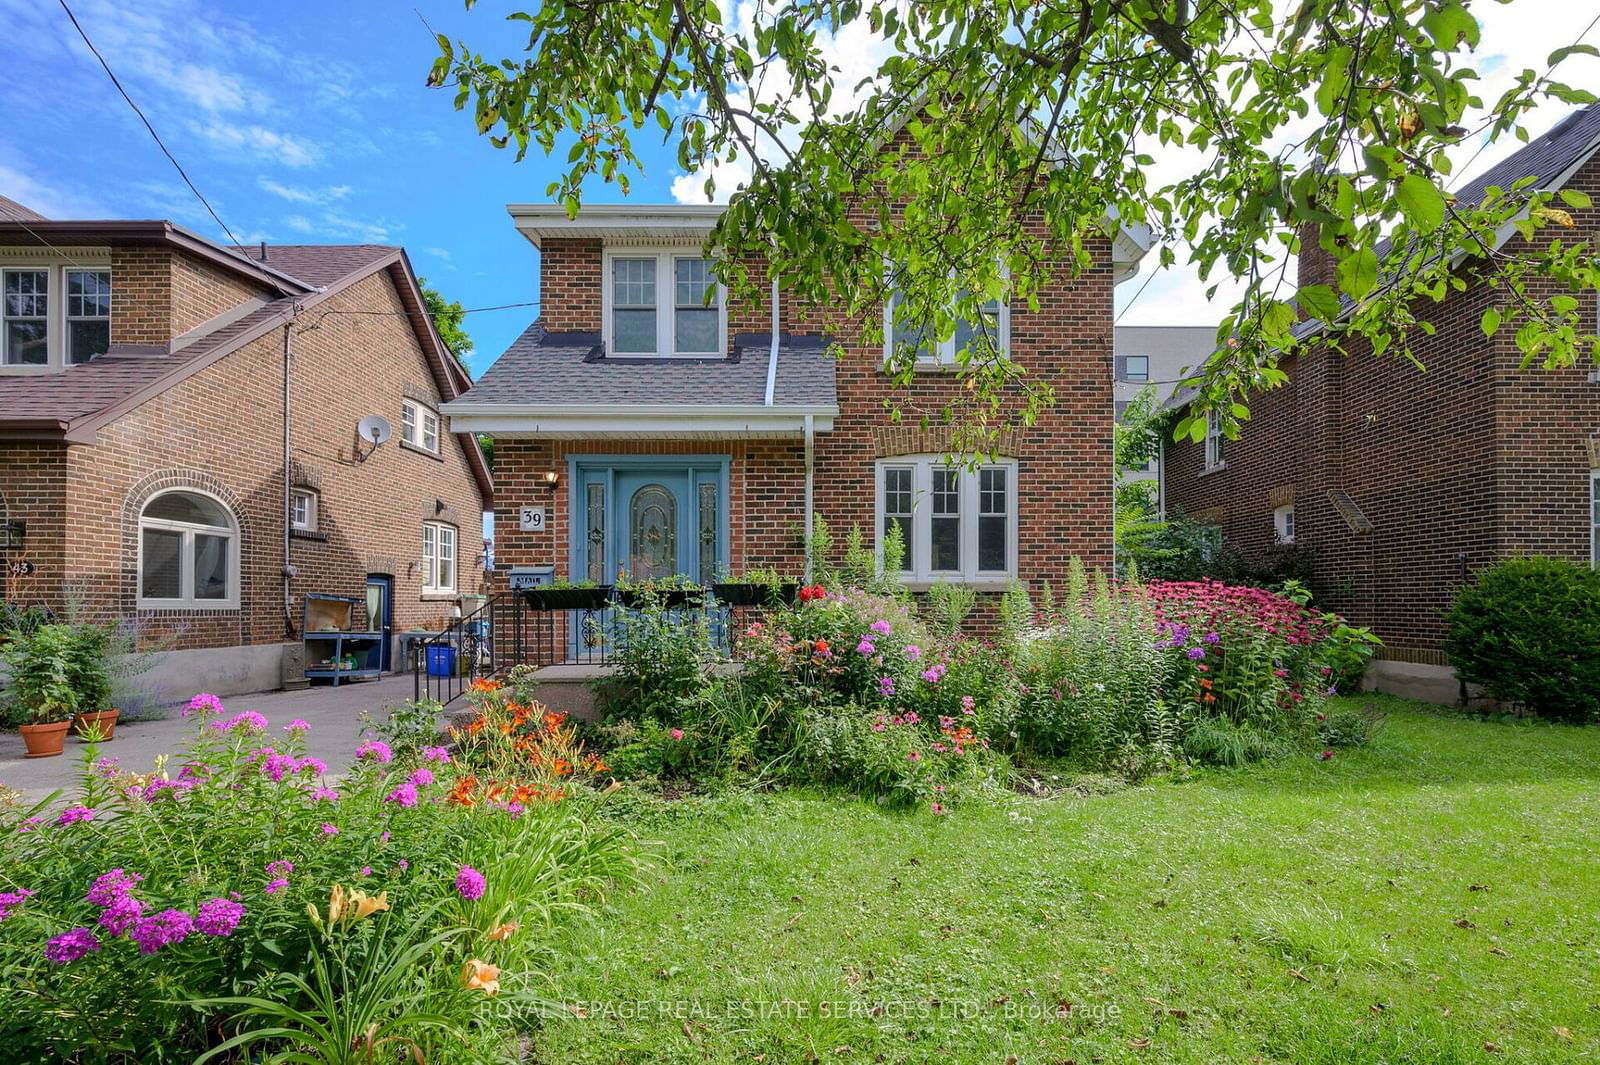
column 1283, row 524
column 430, row 564
column 186, row 557
column 56, row 312
column 665, row 302
column 922, row 467
column 1216, row 453
column 310, row 496
column 421, row 412
column 945, row 357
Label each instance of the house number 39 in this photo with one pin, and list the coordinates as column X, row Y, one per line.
column 532, row 519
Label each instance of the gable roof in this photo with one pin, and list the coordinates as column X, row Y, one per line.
column 73, row 404
column 12, row 211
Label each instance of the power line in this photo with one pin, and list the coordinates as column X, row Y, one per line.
column 156, row 136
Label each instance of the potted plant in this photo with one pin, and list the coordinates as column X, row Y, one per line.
column 568, row 595
column 41, row 686
column 660, row 591
column 756, row 587
column 89, row 673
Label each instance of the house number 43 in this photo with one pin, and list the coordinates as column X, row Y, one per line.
column 532, row 519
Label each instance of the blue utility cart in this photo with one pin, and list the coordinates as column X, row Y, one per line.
column 334, row 650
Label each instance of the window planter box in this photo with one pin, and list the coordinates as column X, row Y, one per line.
column 737, row 593
column 567, row 598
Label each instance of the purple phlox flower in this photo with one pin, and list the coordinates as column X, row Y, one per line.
column 244, row 721
column 934, row 673
column 913, row 652
column 470, row 884
column 204, row 704
column 1211, row 637
column 278, row 766
column 404, row 865
column 121, row 915
column 1195, row 654
column 422, row 777
column 28, row 824
column 515, row 809
column 110, row 887
column 281, row 867
column 1333, row 689
column 435, row 754
column 10, row 900
column 275, row 886
column 329, row 828
column 881, row 627
column 107, row 767
column 404, row 795
column 218, row 917
column 161, row 930
column 321, row 794
column 886, row 686
column 384, row 835
column 366, row 870
column 297, row 725
column 866, row 647
column 162, row 786
column 316, row 765
column 191, row 772
column 376, row 750
column 70, row 946
column 73, row 814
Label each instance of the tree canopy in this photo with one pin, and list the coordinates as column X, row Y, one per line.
column 998, row 143
column 449, row 317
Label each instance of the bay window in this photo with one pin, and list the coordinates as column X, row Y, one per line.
column 663, row 303
column 958, row 523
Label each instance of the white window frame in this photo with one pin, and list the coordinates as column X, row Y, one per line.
column 944, row 356
column 55, row 311
column 1216, row 444
column 309, row 497
column 186, row 599
column 1283, row 523
column 922, row 467
column 433, row 540
column 415, row 418
column 666, row 306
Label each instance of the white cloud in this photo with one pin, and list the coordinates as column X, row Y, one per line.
column 304, row 193
column 51, row 200
column 258, row 140
column 442, row 254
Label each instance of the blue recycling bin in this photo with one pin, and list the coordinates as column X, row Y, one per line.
column 441, row 660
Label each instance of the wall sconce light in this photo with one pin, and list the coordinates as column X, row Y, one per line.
column 551, row 479
column 12, row 533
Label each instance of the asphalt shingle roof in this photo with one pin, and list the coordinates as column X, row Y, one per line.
column 12, row 211
column 555, row 369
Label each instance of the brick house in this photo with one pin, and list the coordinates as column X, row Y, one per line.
column 1401, row 481
column 179, row 446
column 662, row 436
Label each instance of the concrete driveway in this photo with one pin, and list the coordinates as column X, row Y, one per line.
column 332, row 713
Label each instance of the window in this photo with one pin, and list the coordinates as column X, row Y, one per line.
column 53, row 316
column 957, row 523
column 994, row 322
column 1283, row 524
column 27, row 318
column 1122, row 406
column 303, row 510
column 1133, row 368
column 188, row 553
column 419, row 426
column 663, row 303
column 438, row 557
column 1216, row 444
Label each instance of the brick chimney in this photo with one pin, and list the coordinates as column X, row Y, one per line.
column 1315, row 263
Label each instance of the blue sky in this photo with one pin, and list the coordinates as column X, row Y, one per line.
column 308, row 122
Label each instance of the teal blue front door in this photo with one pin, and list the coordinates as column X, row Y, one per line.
column 653, row 527
column 649, row 517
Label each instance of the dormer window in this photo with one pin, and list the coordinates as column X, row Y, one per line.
column 664, row 303
column 53, row 315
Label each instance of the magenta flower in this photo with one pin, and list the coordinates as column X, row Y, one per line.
column 10, row 900
column 70, row 946
column 435, row 754
column 161, row 930
column 470, row 883
column 316, row 765
column 275, row 886
column 422, row 777
column 934, row 673
column 245, row 721
column 886, row 686
column 405, row 795
column 278, row 766
column 203, row 704
column 121, row 915
column 329, row 828
column 321, row 794
column 913, row 652
column 28, row 824
column 218, row 917
column 366, row 870
column 297, row 725
column 107, row 767
column 914, row 756
column 110, row 887
column 281, row 867
column 676, row 734
column 73, row 814
column 866, row 648
column 881, row 627
column 1195, row 654
column 404, row 865
column 375, row 750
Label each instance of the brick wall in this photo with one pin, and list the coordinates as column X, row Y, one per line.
column 33, row 481
column 159, row 293
column 1457, row 465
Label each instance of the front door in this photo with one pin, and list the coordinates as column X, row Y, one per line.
column 380, row 615
column 652, row 526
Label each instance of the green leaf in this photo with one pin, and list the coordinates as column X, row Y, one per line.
column 1421, row 202
column 1358, row 273
column 1490, row 322
column 1319, row 301
column 1575, row 198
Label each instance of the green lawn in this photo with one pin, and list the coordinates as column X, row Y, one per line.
column 1434, row 898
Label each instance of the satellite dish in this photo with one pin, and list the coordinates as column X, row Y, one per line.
column 375, row 429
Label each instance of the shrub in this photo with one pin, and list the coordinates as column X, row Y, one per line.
column 56, row 670
column 1344, row 725
column 898, row 759
column 663, row 661
column 1528, row 630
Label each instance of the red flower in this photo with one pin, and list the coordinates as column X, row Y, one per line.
column 1327, row 754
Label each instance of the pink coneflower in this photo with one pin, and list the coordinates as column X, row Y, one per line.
column 914, row 756
column 938, row 809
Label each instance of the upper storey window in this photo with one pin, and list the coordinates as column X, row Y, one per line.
column 664, row 303
column 53, row 316
column 901, row 334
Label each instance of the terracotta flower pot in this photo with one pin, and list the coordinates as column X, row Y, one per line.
column 45, row 741
column 104, row 721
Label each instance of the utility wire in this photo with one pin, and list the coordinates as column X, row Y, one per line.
column 156, row 136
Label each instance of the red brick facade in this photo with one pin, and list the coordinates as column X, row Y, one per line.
column 1467, row 462
column 220, row 430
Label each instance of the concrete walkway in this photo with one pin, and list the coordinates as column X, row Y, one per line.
column 332, row 713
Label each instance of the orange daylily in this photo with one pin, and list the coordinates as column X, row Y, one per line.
column 481, row 976
column 500, row 932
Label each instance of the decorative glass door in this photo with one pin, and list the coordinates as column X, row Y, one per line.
column 652, row 533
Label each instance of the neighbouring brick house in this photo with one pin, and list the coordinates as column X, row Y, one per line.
column 152, row 384
column 1400, row 481
column 662, row 436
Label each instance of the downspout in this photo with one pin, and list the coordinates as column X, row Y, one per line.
column 810, row 456
column 772, row 354
column 283, row 510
